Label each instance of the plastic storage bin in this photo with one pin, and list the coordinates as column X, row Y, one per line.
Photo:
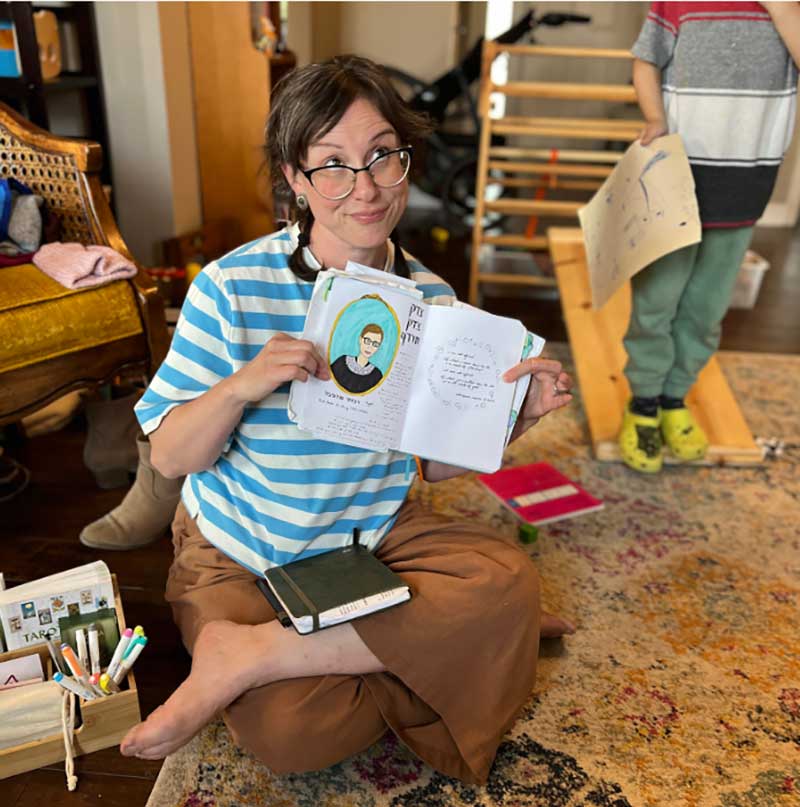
column 748, row 283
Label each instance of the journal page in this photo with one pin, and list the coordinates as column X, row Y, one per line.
column 460, row 406
column 369, row 333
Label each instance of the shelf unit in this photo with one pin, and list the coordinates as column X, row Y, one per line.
column 31, row 95
column 533, row 170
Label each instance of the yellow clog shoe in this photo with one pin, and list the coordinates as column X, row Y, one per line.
column 684, row 438
column 640, row 442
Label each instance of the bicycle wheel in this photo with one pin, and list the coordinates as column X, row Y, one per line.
column 458, row 194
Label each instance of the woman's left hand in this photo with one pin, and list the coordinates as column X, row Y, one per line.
column 549, row 389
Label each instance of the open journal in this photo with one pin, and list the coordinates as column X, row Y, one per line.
column 406, row 375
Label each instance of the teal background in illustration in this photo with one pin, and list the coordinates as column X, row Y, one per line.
column 352, row 321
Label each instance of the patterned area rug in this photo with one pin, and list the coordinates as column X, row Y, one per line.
column 682, row 685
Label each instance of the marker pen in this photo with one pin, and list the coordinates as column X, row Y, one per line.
column 55, row 654
column 94, row 683
column 94, row 649
column 128, row 662
column 74, row 665
column 108, row 685
column 80, row 645
column 119, row 651
column 137, row 640
column 74, row 686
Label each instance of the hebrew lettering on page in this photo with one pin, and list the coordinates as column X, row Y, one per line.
column 645, row 209
column 370, row 335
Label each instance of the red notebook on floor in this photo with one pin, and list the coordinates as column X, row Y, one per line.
column 539, row 493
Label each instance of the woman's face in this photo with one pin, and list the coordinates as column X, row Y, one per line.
column 369, row 343
column 363, row 220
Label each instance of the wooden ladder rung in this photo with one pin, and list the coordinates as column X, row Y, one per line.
column 554, row 169
column 524, row 241
column 500, row 127
column 620, row 93
column 534, row 207
column 554, row 183
column 516, row 280
column 579, row 123
column 551, row 50
column 563, row 155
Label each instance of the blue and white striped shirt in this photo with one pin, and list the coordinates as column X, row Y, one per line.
column 276, row 493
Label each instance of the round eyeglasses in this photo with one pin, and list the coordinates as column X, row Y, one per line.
column 335, row 182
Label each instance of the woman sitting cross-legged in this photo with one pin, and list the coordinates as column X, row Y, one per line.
column 447, row 671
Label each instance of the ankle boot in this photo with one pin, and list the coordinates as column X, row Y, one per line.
column 143, row 515
column 110, row 448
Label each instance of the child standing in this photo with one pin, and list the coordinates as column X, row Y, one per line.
column 723, row 76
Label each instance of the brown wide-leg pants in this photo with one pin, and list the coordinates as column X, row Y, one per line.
column 460, row 655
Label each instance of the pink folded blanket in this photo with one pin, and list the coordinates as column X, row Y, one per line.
column 77, row 266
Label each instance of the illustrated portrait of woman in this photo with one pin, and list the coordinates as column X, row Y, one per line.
column 357, row 373
column 363, row 345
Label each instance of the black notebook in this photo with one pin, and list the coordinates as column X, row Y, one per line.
column 331, row 588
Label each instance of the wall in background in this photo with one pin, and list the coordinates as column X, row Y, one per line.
column 298, row 36
column 186, row 98
column 130, row 55
column 419, row 38
column 784, row 206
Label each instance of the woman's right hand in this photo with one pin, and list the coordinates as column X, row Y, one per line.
column 281, row 360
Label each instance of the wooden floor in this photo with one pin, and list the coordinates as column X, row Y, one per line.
column 38, row 536
column 39, row 529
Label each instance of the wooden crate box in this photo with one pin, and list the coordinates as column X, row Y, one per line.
column 104, row 721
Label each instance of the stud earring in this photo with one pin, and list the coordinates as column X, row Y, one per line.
column 302, row 202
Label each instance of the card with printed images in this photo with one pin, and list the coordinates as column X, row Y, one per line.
column 34, row 611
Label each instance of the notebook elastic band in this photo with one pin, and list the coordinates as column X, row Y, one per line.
column 301, row 595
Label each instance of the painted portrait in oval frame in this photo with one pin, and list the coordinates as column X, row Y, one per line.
column 363, row 345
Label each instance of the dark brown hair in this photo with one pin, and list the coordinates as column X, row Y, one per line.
column 307, row 103
column 372, row 328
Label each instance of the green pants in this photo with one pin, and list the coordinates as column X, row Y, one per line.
column 677, row 307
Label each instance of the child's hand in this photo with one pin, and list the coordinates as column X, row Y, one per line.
column 652, row 130
column 774, row 9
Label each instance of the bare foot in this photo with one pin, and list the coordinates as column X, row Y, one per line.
column 212, row 684
column 553, row 626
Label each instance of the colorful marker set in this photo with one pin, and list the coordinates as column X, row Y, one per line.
column 88, row 681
